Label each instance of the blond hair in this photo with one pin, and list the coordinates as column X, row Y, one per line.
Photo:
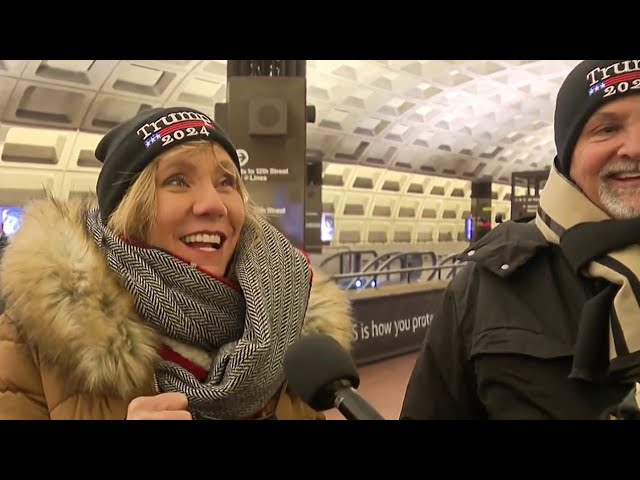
column 135, row 215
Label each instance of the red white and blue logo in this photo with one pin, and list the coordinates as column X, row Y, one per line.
column 620, row 77
column 176, row 126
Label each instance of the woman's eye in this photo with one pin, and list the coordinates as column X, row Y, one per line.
column 228, row 181
column 176, row 181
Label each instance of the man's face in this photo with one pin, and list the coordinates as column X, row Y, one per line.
column 606, row 158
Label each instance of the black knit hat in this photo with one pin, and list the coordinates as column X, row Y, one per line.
column 591, row 84
column 128, row 148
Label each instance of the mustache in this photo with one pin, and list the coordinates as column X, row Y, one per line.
column 619, row 166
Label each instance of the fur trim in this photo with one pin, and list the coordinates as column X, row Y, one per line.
column 69, row 306
column 329, row 311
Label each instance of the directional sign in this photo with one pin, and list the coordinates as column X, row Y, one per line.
column 243, row 157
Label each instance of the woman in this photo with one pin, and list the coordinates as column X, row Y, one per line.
column 169, row 299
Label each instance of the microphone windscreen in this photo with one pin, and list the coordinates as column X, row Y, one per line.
column 313, row 365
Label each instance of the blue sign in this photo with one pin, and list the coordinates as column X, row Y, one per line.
column 468, row 228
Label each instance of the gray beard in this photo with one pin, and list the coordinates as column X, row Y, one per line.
column 620, row 203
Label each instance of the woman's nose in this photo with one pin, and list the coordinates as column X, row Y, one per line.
column 209, row 202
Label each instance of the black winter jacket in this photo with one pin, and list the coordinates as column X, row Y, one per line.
column 501, row 345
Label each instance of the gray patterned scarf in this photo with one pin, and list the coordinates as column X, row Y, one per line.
column 608, row 251
column 247, row 329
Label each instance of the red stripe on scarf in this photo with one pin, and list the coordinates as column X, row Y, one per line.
column 173, row 356
column 201, row 374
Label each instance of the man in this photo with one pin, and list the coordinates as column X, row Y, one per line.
column 544, row 321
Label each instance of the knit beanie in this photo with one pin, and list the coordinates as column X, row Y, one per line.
column 590, row 85
column 128, row 148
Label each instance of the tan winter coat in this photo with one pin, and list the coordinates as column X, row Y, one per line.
column 71, row 343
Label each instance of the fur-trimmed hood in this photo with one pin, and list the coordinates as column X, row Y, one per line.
column 68, row 305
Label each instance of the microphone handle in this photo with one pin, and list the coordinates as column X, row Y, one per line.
column 353, row 406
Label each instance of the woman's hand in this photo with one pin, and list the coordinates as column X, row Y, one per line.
column 165, row 406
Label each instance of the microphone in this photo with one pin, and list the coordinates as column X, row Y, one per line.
column 324, row 376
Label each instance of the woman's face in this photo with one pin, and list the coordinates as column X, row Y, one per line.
column 199, row 211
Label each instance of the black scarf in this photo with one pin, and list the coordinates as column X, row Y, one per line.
column 598, row 247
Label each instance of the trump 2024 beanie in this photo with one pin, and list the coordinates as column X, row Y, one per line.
column 591, row 84
column 128, row 148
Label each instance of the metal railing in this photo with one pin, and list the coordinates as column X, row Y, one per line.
column 350, row 259
column 405, row 259
column 370, row 279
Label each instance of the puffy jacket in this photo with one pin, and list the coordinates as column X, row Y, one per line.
column 61, row 359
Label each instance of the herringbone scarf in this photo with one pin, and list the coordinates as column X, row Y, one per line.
column 247, row 329
column 598, row 247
